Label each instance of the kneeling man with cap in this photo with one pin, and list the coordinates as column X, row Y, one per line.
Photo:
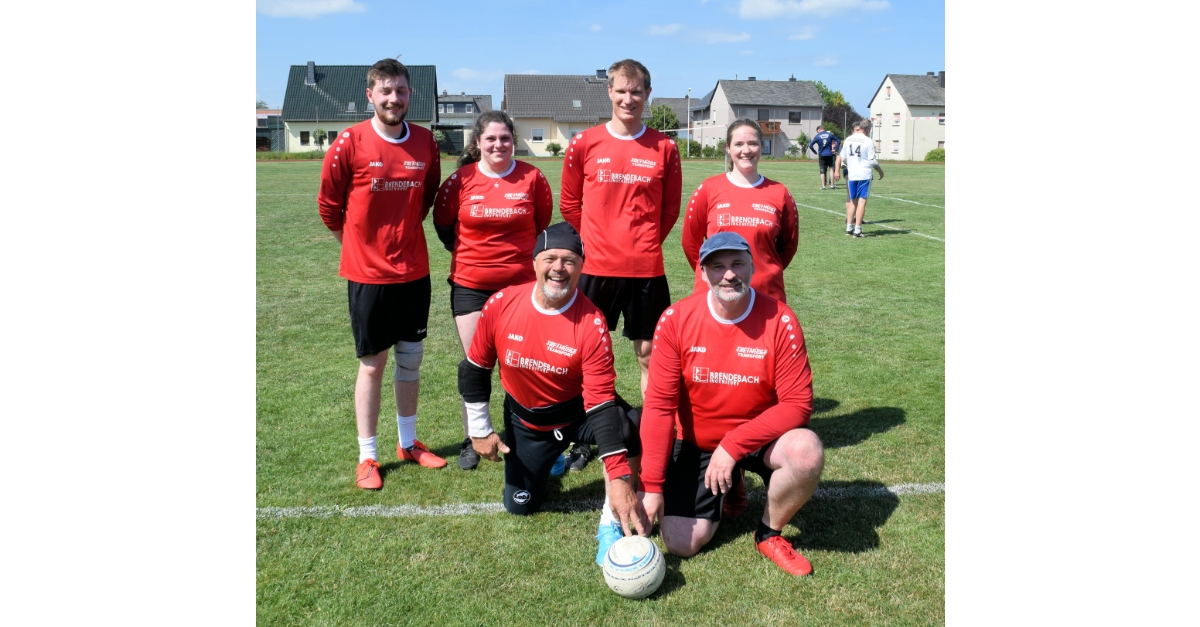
column 558, row 379
column 732, row 362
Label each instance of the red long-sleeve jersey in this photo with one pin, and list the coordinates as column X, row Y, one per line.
column 622, row 195
column 738, row 384
column 764, row 214
column 549, row 356
column 497, row 219
column 377, row 191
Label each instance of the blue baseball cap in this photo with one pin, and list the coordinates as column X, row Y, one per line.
column 725, row 240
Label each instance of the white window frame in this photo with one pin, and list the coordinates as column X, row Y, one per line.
column 895, row 119
column 537, row 135
column 942, row 118
column 895, row 146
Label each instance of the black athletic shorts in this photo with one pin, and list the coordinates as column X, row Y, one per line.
column 826, row 162
column 381, row 315
column 641, row 301
column 684, row 493
column 464, row 300
column 532, row 454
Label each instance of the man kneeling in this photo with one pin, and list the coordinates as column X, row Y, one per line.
column 558, row 380
column 732, row 363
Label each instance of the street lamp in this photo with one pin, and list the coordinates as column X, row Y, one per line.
column 689, row 121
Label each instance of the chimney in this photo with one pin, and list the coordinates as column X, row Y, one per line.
column 942, row 79
column 792, row 79
column 602, row 74
column 749, row 78
column 445, row 93
column 312, row 73
column 930, row 74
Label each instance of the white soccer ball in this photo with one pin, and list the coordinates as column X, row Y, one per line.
column 634, row 567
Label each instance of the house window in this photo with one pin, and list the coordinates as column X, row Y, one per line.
column 468, row 107
column 941, row 144
column 350, row 107
column 766, row 147
column 895, row 119
column 303, row 138
column 577, row 104
column 441, row 108
column 371, row 107
column 942, row 118
column 877, row 147
column 262, row 122
column 895, row 146
column 536, row 134
column 764, row 115
column 795, row 117
column 889, row 93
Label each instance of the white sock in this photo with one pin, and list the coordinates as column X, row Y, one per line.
column 407, row 425
column 858, row 228
column 366, row 449
column 606, row 515
column 849, row 227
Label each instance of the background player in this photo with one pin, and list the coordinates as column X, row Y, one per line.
column 732, row 362
column 488, row 214
column 621, row 187
column 858, row 156
column 558, row 380
column 825, row 144
column 378, row 182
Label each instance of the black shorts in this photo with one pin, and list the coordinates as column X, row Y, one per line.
column 826, row 162
column 381, row 315
column 684, row 493
column 532, row 454
column 464, row 300
column 641, row 301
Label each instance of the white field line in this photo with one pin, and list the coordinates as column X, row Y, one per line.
column 465, row 509
column 843, row 213
column 910, row 201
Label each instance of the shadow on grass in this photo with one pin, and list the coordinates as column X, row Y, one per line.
column 843, row 516
column 822, row 405
column 885, row 221
column 853, row 428
column 673, row 580
column 883, row 233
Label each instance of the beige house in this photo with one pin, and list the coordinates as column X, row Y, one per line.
column 784, row 110
column 548, row 108
column 909, row 115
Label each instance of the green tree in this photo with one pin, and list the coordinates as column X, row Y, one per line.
column 319, row 137
column 663, row 118
column 554, row 148
column 261, row 104
column 439, row 137
column 937, row 154
column 828, row 96
column 690, row 148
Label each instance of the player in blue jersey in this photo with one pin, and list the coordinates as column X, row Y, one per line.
column 858, row 157
column 826, row 145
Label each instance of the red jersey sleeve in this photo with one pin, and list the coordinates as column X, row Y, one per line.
column 599, row 372
column 445, row 208
column 789, row 232
column 695, row 225
column 543, row 204
column 433, row 176
column 570, row 197
column 793, row 387
column 483, row 346
column 672, row 191
column 663, row 389
column 337, row 173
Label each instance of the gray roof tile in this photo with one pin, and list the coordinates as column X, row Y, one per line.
column 339, row 85
column 678, row 105
column 551, row 96
column 772, row 93
column 918, row 89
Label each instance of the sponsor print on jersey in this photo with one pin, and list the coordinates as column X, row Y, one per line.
column 608, row 176
column 513, row 359
column 497, row 212
column 642, row 163
column 393, row 185
column 701, row 374
column 516, row 196
column 414, row 165
column 752, row 353
column 761, row 207
column 726, row 219
column 560, row 349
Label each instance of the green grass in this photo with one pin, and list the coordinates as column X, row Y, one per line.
column 873, row 313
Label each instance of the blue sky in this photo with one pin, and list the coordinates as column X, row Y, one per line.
column 847, row 44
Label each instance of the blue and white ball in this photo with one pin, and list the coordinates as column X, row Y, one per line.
column 634, row 567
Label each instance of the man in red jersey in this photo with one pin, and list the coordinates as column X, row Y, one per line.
column 558, row 380
column 732, row 362
column 378, row 182
column 621, row 186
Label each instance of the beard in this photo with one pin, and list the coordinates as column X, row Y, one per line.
column 738, row 294
column 391, row 117
column 555, row 294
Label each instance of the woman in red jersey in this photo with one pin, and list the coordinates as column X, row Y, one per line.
column 488, row 214
column 749, row 204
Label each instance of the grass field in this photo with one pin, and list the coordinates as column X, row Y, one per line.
column 873, row 312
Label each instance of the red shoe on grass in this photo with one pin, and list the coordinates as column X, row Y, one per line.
column 782, row 553
column 420, row 453
column 368, row 475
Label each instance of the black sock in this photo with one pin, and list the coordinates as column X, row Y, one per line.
column 764, row 532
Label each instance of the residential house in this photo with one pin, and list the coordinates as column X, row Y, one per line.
column 268, row 130
column 548, row 108
column 456, row 115
column 678, row 106
column 784, row 110
column 334, row 97
column 909, row 115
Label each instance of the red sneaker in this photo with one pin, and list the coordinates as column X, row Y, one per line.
column 781, row 552
column 368, row 475
column 420, row 453
column 735, row 503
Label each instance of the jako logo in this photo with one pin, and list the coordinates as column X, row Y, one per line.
column 603, row 160
column 723, row 205
column 476, row 197
column 516, row 338
column 376, row 164
column 697, row 349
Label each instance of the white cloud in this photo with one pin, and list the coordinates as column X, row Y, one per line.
column 669, row 29
column 825, row 61
column 596, row 27
column 769, row 9
column 808, row 32
column 467, row 74
column 307, row 9
column 722, row 37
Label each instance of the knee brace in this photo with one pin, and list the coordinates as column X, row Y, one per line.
column 408, row 360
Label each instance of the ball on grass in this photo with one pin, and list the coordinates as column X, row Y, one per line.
column 634, row 567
